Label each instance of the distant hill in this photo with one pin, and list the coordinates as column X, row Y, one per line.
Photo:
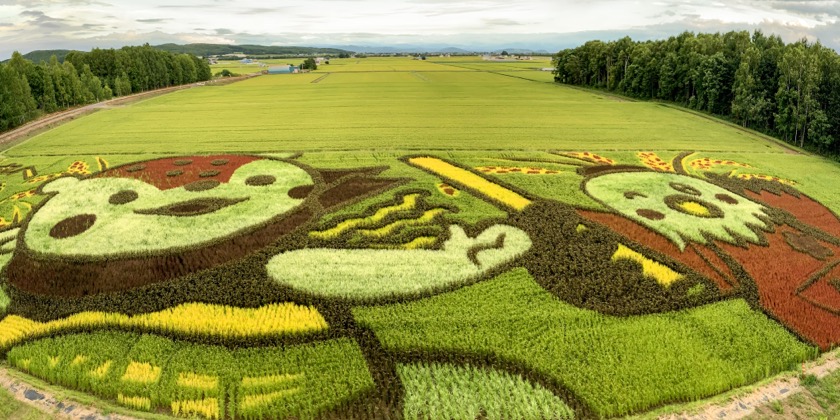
column 38, row 56
column 221, row 49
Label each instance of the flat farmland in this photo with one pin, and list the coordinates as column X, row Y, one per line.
column 449, row 238
column 421, row 107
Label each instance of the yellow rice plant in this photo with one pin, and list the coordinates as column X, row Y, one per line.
column 53, row 361
column 101, row 370
column 270, row 380
column 198, row 381
column 388, row 229
column 190, row 318
column 139, row 403
column 664, row 275
column 409, row 202
column 471, row 180
column 251, row 402
column 208, row 408
column 142, row 373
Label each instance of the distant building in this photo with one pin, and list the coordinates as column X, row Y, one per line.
column 287, row 69
column 246, row 61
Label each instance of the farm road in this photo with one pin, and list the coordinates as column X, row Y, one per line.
column 51, row 404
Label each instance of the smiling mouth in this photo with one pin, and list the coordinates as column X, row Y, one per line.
column 195, row 207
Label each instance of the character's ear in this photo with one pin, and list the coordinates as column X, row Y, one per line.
column 59, row 184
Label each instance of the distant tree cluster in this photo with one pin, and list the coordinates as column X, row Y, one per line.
column 28, row 90
column 309, row 64
column 791, row 91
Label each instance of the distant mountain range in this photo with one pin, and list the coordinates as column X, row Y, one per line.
column 431, row 49
column 221, row 49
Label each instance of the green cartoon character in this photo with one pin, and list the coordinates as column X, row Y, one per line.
column 151, row 221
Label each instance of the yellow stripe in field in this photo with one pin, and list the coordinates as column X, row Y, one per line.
column 471, row 180
column 200, row 319
column 661, row 273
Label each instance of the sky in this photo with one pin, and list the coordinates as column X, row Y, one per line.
column 481, row 25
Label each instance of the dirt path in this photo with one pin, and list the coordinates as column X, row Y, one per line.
column 744, row 405
column 49, row 121
column 48, row 403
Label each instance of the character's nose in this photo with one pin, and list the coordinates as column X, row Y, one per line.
column 73, row 226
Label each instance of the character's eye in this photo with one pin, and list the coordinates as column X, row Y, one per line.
column 693, row 206
column 650, row 214
column 123, row 197
column 633, row 194
column 685, row 189
column 726, row 198
column 72, row 226
column 260, row 180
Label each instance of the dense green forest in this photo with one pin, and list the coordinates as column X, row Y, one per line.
column 791, row 91
column 28, row 90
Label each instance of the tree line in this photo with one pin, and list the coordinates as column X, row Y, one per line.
column 28, row 90
column 791, row 91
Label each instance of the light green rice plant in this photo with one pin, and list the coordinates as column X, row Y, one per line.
column 371, row 273
column 434, row 390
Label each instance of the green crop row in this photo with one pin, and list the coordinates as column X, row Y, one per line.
column 152, row 373
column 614, row 365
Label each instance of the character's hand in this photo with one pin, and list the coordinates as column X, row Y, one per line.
column 8, row 241
column 373, row 273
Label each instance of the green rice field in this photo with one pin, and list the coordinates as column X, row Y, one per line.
column 397, row 238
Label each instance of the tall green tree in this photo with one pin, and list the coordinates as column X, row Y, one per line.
column 16, row 102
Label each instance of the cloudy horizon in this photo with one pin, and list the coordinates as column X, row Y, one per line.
column 551, row 25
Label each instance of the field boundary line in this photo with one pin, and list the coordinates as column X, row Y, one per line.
column 499, row 73
column 420, row 76
column 321, row 78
